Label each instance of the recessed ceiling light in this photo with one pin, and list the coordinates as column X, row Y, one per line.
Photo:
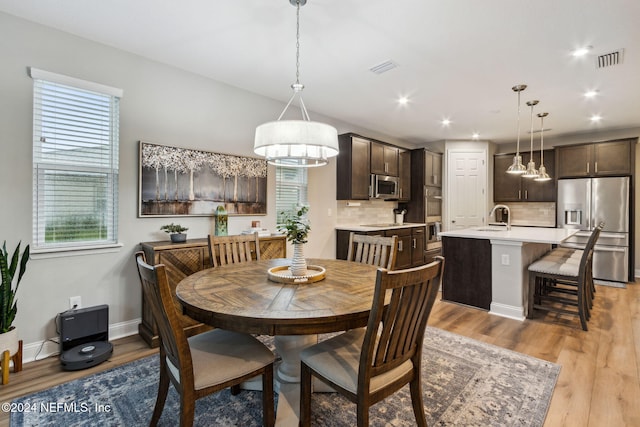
column 581, row 51
column 445, row 122
column 475, row 135
column 590, row 93
column 403, row 100
column 595, row 118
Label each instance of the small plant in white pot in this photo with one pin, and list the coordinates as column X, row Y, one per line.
column 8, row 304
column 295, row 225
column 176, row 232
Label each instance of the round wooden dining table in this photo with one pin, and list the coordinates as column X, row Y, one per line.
column 241, row 297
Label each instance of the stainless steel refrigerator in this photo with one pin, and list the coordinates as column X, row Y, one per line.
column 583, row 203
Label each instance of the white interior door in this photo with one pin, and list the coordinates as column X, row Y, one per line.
column 466, row 189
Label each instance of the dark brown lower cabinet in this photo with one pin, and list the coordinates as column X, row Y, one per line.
column 411, row 244
column 467, row 271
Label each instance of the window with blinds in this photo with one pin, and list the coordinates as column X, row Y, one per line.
column 291, row 189
column 75, row 162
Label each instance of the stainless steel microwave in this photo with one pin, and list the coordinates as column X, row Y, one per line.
column 384, row 187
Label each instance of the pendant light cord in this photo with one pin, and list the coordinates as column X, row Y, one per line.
column 518, row 140
column 298, row 42
column 297, row 86
column 541, row 140
column 531, row 153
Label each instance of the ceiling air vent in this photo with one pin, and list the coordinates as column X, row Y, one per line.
column 383, row 67
column 610, row 59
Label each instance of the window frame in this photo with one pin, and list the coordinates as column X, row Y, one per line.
column 105, row 171
column 301, row 183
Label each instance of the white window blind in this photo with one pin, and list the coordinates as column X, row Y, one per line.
column 291, row 189
column 75, row 162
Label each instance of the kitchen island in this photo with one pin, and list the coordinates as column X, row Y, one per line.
column 486, row 267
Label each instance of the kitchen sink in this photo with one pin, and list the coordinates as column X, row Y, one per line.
column 497, row 228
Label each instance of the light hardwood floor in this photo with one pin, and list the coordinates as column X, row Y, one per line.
column 599, row 381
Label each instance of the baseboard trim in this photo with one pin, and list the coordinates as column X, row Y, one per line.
column 43, row 349
column 509, row 311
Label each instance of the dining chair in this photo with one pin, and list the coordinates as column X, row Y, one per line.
column 369, row 364
column 234, row 249
column 205, row 363
column 375, row 250
column 561, row 281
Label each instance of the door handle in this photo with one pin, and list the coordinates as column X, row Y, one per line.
column 400, row 246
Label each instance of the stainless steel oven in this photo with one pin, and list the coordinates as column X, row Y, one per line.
column 433, row 204
column 433, row 232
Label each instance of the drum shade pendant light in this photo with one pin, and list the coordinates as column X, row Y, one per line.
column 531, row 171
column 542, row 173
column 296, row 143
column 517, row 167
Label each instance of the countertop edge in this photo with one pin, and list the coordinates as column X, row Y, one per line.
column 516, row 234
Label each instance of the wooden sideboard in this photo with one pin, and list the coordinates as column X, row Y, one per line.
column 182, row 260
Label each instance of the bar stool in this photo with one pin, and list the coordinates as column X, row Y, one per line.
column 563, row 278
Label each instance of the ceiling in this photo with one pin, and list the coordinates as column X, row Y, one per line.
column 456, row 59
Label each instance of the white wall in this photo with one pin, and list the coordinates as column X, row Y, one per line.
column 161, row 105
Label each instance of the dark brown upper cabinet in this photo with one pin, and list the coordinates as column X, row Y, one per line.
column 610, row 158
column 432, row 169
column 514, row 188
column 384, row 159
column 405, row 175
column 353, row 163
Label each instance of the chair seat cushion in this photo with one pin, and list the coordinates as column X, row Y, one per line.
column 560, row 261
column 338, row 359
column 220, row 355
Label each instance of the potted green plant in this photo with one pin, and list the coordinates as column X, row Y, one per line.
column 8, row 303
column 176, row 232
column 295, row 225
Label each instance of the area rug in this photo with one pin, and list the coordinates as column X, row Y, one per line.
column 466, row 383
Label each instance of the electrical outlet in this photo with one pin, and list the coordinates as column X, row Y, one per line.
column 505, row 259
column 75, row 302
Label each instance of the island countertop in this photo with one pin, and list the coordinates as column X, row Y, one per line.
column 516, row 234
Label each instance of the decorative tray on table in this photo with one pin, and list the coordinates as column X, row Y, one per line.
column 281, row 274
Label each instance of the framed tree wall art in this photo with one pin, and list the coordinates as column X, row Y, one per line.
column 176, row 181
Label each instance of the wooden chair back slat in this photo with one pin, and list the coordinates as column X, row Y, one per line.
column 235, row 249
column 173, row 340
column 374, row 250
column 394, row 333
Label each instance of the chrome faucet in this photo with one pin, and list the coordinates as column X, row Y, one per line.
column 508, row 224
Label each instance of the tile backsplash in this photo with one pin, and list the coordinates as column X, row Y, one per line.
column 535, row 214
column 538, row 214
column 365, row 212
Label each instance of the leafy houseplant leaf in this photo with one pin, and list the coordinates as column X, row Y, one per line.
column 8, row 302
